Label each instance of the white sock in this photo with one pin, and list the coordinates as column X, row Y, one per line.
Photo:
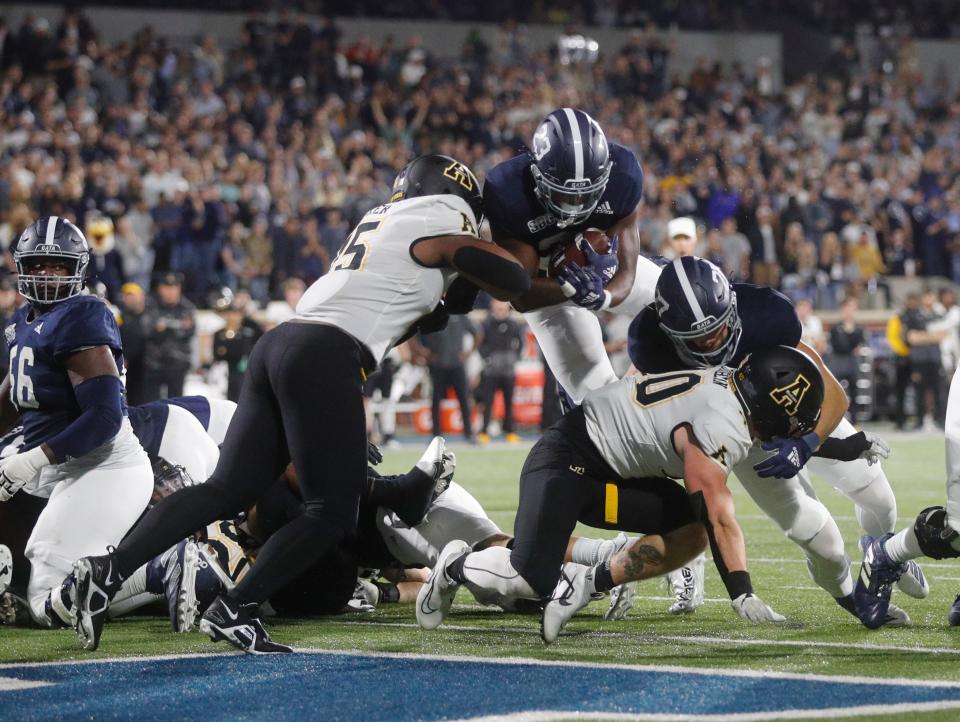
column 903, row 546
column 491, row 570
column 591, row 552
column 129, row 604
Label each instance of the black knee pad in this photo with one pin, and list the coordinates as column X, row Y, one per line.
column 934, row 535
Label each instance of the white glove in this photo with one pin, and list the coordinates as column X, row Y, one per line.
column 878, row 449
column 17, row 470
column 754, row 609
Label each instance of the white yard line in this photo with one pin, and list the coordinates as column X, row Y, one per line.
column 694, row 639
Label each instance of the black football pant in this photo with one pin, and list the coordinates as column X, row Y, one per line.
column 565, row 480
column 442, row 378
column 302, row 401
column 490, row 384
column 163, row 383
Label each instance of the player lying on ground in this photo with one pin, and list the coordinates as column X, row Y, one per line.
column 612, row 463
column 700, row 319
column 302, row 399
column 935, row 533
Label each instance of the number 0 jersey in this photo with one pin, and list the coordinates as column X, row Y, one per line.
column 375, row 289
column 631, row 422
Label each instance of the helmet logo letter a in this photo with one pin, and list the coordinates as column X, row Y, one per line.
column 791, row 395
column 456, row 172
column 541, row 142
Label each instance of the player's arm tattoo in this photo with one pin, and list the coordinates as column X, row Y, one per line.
column 639, row 558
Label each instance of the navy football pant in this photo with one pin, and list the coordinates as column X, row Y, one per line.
column 302, row 401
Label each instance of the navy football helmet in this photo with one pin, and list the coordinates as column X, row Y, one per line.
column 781, row 390
column 571, row 165
column 435, row 174
column 49, row 238
column 694, row 301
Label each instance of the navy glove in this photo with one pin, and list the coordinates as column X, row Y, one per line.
column 604, row 264
column 792, row 455
column 374, row 455
column 584, row 286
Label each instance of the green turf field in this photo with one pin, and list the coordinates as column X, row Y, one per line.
column 818, row 637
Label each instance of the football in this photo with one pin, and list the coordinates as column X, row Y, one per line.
column 597, row 239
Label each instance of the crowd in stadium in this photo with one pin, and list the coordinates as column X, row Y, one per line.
column 244, row 166
column 247, row 165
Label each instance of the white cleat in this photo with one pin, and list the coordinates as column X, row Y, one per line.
column 897, row 617
column 621, row 602
column 431, row 461
column 6, row 568
column 448, row 466
column 436, row 596
column 912, row 582
column 573, row 593
column 686, row 585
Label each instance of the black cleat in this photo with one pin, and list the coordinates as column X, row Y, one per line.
column 226, row 620
column 97, row 583
column 954, row 616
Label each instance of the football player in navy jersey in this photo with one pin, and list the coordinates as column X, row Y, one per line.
column 78, row 445
column 571, row 180
column 700, row 319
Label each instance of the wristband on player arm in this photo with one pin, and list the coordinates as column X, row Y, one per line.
column 737, row 583
column 101, row 405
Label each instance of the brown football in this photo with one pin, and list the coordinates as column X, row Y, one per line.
column 570, row 253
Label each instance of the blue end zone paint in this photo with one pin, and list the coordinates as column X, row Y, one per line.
column 332, row 686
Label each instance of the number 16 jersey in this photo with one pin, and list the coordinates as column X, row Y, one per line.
column 631, row 422
column 40, row 386
column 375, row 289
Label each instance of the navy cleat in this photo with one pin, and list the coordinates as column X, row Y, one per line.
column 97, row 583
column 191, row 581
column 877, row 576
column 954, row 615
column 227, row 620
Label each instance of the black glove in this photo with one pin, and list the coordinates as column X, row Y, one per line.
column 434, row 321
column 374, row 455
column 461, row 297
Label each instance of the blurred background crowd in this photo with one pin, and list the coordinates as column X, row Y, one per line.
column 225, row 175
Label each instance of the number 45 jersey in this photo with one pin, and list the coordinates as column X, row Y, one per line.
column 631, row 422
column 375, row 289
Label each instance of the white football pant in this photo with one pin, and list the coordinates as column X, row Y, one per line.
column 94, row 502
column 455, row 514
column 221, row 411
column 185, row 443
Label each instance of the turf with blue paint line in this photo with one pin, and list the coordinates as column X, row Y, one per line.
column 343, row 686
